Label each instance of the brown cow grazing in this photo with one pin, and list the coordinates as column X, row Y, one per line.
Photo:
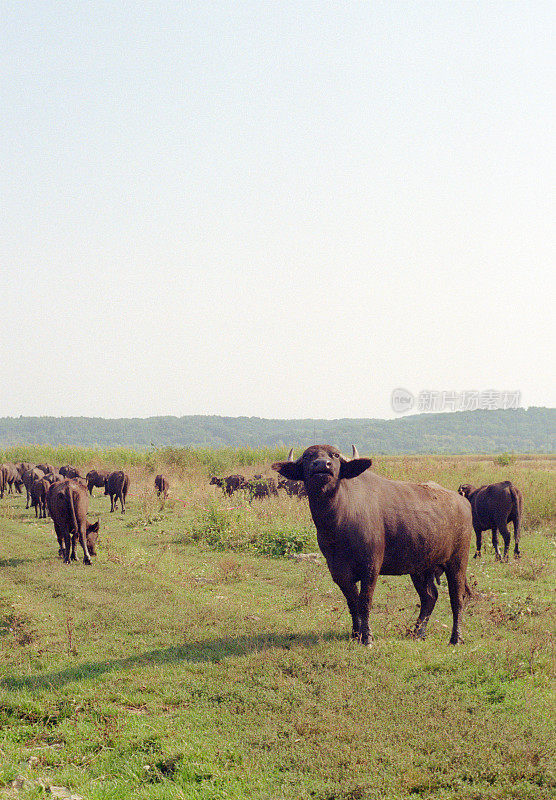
column 68, row 502
column 368, row 525
column 39, row 491
column 98, row 478
column 29, row 477
column 69, row 472
column 117, row 485
column 230, row 484
column 162, row 486
column 493, row 506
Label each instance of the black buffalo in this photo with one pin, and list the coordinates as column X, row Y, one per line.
column 230, row 484
column 368, row 525
column 162, row 485
column 98, row 478
column 117, row 485
column 68, row 503
column 493, row 506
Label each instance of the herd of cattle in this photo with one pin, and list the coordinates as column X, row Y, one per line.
column 366, row 524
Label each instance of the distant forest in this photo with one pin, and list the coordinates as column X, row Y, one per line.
column 530, row 430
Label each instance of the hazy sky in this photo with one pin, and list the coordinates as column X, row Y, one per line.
column 276, row 209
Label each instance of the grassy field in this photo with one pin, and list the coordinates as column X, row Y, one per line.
column 193, row 659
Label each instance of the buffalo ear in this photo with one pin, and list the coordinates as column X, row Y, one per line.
column 292, row 470
column 353, row 468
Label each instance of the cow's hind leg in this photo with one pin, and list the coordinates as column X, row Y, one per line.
column 517, row 532
column 503, row 528
column 428, row 594
column 457, row 587
column 497, row 556
column 479, row 539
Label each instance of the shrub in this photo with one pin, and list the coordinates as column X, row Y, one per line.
column 280, row 542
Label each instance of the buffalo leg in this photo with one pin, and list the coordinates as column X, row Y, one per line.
column 351, row 593
column 497, row 555
column 122, row 504
column 479, row 539
column 428, row 595
column 503, row 528
column 516, row 521
column 83, row 543
column 456, row 589
column 111, row 503
column 364, row 603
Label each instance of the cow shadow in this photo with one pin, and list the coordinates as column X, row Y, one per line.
column 210, row 652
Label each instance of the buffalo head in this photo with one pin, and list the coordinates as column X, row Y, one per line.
column 321, row 467
column 465, row 489
column 92, row 536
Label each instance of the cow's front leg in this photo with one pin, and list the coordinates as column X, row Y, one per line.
column 364, row 604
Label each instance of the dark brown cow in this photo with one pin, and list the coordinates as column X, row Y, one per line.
column 259, row 487
column 98, row 478
column 39, row 491
column 368, row 525
column 493, row 506
column 162, row 485
column 117, row 485
column 230, row 484
column 68, row 503
column 28, row 478
column 69, row 472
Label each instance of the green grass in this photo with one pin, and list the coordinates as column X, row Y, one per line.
column 185, row 664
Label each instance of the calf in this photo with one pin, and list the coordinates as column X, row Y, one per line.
column 68, row 503
column 117, row 485
column 162, row 486
column 368, row 526
column 493, row 506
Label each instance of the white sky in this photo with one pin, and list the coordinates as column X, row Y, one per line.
column 276, row 209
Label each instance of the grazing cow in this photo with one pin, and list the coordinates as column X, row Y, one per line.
column 46, row 468
column 368, row 525
column 493, row 506
column 259, row 487
column 39, row 491
column 230, row 484
column 68, row 502
column 117, row 485
column 28, row 478
column 69, row 472
column 98, row 478
column 162, row 486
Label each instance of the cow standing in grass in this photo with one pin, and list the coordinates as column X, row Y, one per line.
column 368, row 526
column 162, row 486
column 493, row 507
column 230, row 484
column 117, row 485
column 68, row 503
